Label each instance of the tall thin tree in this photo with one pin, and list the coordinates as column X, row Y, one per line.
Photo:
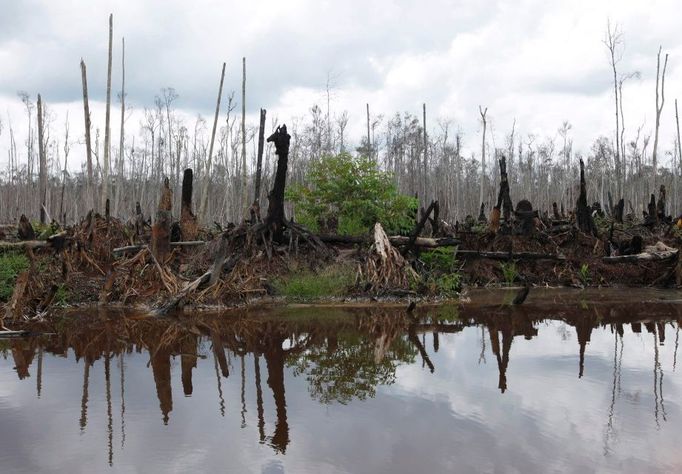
column 660, row 100
column 121, row 143
column 107, row 128
column 43, row 161
column 204, row 197
column 90, row 201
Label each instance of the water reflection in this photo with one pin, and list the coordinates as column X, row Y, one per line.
column 343, row 356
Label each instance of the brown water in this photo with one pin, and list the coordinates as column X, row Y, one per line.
column 569, row 382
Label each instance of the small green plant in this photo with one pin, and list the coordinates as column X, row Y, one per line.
column 441, row 276
column 584, row 274
column 509, row 272
column 11, row 264
column 61, row 297
column 307, row 285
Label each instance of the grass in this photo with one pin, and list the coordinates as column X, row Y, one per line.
column 11, row 264
column 584, row 274
column 309, row 285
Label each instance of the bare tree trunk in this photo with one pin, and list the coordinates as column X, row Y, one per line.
column 426, row 147
column 244, row 177
column 90, row 201
column 204, row 197
column 369, row 140
column 259, row 165
column 613, row 39
column 121, row 154
column 659, row 108
column 107, row 130
column 43, row 161
column 67, row 148
column 485, row 123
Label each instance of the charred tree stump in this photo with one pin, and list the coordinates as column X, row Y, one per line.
column 275, row 218
column 481, row 215
column 619, row 210
column 435, row 221
column 526, row 217
column 652, row 212
column 188, row 221
column 161, row 230
column 504, row 203
column 25, row 229
column 660, row 205
column 583, row 211
column 555, row 212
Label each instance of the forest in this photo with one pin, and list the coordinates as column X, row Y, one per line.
column 220, row 211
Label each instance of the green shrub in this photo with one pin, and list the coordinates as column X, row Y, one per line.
column 584, row 274
column 11, row 264
column 354, row 192
column 307, row 285
column 509, row 272
column 441, row 259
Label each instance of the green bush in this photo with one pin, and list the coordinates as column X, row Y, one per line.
column 440, row 269
column 307, row 285
column 509, row 272
column 11, row 264
column 354, row 192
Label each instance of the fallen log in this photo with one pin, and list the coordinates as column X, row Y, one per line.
column 652, row 253
column 395, row 240
column 54, row 241
column 509, row 255
column 137, row 248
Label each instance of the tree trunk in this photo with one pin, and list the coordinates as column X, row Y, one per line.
column 204, row 198
column 188, row 222
column 659, row 108
column 43, row 161
column 161, row 230
column 121, row 154
column 259, row 165
column 107, row 129
column 275, row 218
column 483, row 118
column 583, row 212
column 244, row 175
column 88, row 148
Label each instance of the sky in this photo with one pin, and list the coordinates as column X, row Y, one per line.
column 534, row 62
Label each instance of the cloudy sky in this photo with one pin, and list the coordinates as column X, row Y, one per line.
column 537, row 61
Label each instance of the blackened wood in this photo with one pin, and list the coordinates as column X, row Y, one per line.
column 275, row 218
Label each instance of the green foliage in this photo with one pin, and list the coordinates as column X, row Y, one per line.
column 307, row 285
column 61, row 297
column 509, row 272
column 44, row 231
column 11, row 264
column 356, row 193
column 441, row 274
column 584, row 274
column 440, row 259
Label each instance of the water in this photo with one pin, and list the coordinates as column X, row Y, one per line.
column 569, row 382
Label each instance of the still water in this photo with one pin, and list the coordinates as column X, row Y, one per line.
column 569, row 382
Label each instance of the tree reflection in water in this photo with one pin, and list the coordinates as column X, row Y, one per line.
column 343, row 356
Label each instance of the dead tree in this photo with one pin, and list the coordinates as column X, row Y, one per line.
column 161, row 230
column 207, row 177
column 485, row 123
column 43, row 161
column 107, row 128
column 121, row 155
column 583, row 212
column 619, row 210
column 275, row 217
column 504, row 203
column 660, row 205
column 259, row 164
column 188, row 221
column 88, row 147
column 651, row 214
column 660, row 78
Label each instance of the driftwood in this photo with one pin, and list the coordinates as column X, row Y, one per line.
column 659, row 252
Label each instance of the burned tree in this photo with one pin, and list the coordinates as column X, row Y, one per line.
column 583, row 212
column 161, row 229
column 188, row 221
column 504, row 203
column 275, row 218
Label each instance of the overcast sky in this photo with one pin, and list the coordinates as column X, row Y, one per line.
column 537, row 61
